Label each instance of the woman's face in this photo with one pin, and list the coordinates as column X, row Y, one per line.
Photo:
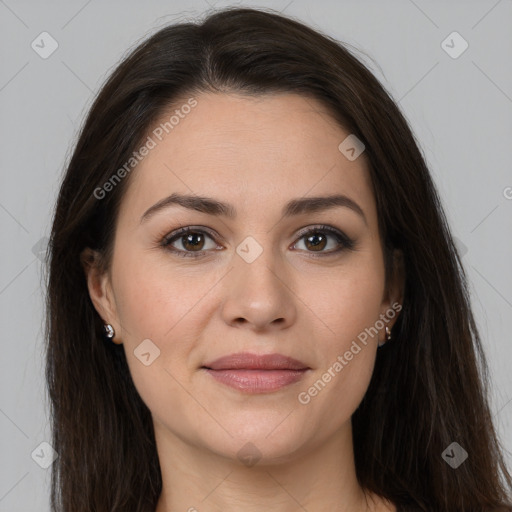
column 259, row 276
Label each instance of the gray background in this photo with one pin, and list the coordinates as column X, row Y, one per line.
column 459, row 108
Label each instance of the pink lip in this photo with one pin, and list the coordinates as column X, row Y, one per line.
column 253, row 373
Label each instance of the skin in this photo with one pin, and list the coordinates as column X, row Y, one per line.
column 256, row 153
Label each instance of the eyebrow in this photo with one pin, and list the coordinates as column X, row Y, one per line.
column 293, row 207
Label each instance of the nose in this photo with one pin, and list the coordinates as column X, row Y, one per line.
column 259, row 295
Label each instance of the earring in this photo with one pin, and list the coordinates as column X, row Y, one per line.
column 388, row 337
column 109, row 331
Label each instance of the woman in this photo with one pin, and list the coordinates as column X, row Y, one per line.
column 254, row 300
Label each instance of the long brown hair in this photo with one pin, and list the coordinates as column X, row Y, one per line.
column 430, row 383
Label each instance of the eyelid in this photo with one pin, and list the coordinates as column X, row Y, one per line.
column 187, row 229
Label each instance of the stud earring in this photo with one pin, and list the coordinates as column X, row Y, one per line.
column 109, row 331
column 388, row 337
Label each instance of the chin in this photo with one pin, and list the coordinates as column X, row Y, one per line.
column 259, row 441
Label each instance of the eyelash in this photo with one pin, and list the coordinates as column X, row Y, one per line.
column 345, row 242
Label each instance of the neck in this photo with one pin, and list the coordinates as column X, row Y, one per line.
column 320, row 478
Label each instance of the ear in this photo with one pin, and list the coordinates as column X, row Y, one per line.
column 100, row 288
column 393, row 295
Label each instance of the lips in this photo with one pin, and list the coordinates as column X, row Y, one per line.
column 253, row 373
column 248, row 361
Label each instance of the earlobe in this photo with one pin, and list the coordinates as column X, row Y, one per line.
column 98, row 284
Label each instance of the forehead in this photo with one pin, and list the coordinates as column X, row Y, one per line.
column 251, row 151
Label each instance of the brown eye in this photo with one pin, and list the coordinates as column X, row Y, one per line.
column 317, row 241
column 192, row 241
column 187, row 241
column 322, row 237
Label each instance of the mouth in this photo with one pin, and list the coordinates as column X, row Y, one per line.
column 253, row 373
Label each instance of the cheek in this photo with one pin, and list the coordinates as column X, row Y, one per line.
column 346, row 309
column 167, row 304
column 337, row 390
column 346, row 356
column 345, row 301
column 153, row 296
column 162, row 306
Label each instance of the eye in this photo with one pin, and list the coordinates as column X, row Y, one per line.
column 192, row 242
column 317, row 239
